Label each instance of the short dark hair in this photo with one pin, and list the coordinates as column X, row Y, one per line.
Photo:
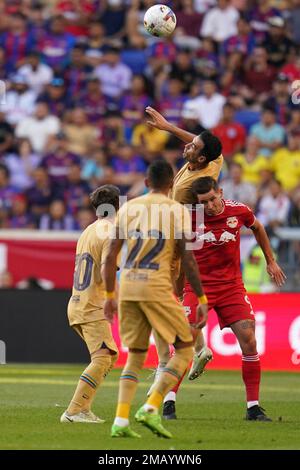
column 160, row 174
column 204, row 185
column 212, row 146
column 106, row 194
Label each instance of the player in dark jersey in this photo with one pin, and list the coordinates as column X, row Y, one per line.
column 219, row 263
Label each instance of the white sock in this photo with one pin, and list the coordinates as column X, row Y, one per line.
column 151, row 408
column 251, row 403
column 123, row 422
column 171, row 396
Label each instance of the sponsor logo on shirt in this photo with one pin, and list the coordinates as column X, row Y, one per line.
column 232, row 222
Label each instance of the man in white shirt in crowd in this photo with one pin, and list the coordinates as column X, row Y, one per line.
column 220, row 22
column 19, row 100
column 115, row 77
column 37, row 74
column 236, row 189
column 39, row 127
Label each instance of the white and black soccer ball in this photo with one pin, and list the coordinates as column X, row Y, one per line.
column 160, row 21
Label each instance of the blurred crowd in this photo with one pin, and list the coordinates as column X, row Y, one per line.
column 78, row 74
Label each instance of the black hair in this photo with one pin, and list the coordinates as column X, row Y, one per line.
column 160, row 174
column 204, row 185
column 107, row 194
column 212, row 146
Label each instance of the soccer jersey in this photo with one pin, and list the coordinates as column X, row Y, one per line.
column 219, row 257
column 181, row 190
column 86, row 303
column 150, row 225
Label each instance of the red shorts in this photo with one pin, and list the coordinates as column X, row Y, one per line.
column 229, row 301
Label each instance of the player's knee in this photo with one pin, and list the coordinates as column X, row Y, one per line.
column 135, row 359
column 102, row 362
column 248, row 345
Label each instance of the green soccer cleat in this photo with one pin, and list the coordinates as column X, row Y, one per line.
column 123, row 431
column 153, row 422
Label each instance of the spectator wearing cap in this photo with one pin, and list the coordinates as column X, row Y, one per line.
column 133, row 104
column 172, row 101
column 251, row 161
column 36, row 74
column 190, row 119
column 20, row 100
column 115, row 77
column 77, row 190
column 92, row 101
column 78, row 70
column 56, row 96
column 81, row 135
column 258, row 18
column 231, row 133
column 280, row 99
column 235, row 188
column 277, row 44
column 6, row 135
column 57, row 219
column 57, row 45
column 39, row 127
column 21, row 164
column 59, row 160
column 258, row 75
column 270, row 134
column 19, row 217
column 220, row 22
column 17, row 41
column 209, row 105
column 285, row 163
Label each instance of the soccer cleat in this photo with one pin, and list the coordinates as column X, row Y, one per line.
column 123, row 431
column 199, row 362
column 169, row 410
column 82, row 417
column 256, row 413
column 153, row 422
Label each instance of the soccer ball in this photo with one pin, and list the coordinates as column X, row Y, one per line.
column 160, row 21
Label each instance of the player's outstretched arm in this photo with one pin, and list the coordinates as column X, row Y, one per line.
column 158, row 121
column 273, row 269
column 109, row 276
column 190, row 267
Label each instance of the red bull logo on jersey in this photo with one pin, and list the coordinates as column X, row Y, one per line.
column 232, row 222
column 210, row 237
column 227, row 237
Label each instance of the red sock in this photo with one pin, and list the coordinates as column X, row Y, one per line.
column 175, row 389
column 251, row 376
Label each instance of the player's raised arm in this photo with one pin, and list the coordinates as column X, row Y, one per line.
column 109, row 276
column 158, row 121
column 190, row 267
column 262, row 239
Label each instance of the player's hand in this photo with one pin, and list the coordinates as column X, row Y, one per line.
column 201, row 316
column 110, row 309
column 158, row 120
column 276, row 273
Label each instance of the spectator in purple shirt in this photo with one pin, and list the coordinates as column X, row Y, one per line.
column 93, row 102
column 77, row 190
column 56, row 96
column 77, row 71
column 57, row 219
column 258, row 19
column 129, row 168
column 133, row 105
column 41, row 193
column 7, row 191
column 243, row 42
column 58, row 162
column 19, row 217
column 171, row 105
column 57, row 45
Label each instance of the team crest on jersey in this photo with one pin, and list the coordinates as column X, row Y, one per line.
column 232, row 222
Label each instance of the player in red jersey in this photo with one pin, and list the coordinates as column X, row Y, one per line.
column 219, row 264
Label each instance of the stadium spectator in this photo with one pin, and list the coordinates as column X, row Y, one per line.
column 220, row 22
column 148, row 141
column 19, row 215
column 294, row 124
column 7, row 190
column 251, row 161
column 19, row 102
column 21, row 164
column 258, row 18
column 36, row 73
column 128, row 168
column 231, row 133
column 81, row 135
column 57, row 219
column 243, row 42
column 95, row 169
column 77, row 71
column 76, row 191
column 172, row 100
column 294, row 214
column 95, row 43
column 236, row 189
column 115, row 77
column 294, row 20
column 92, row 101
column 114, row 18
column 112, row 130
column 273, row 208
column 6, row 135
column 184, row 69
column 277, row 44
column 270, row 134
column 41, row 193
column 55, row 94
column 258, row 76
column 280, row 99
column 285, row 163
column 39, row 127
column 84, row 218
column 188, row 20
column 209, row 105
column 59, row 160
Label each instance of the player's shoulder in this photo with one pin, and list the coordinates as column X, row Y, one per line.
column 236, row 206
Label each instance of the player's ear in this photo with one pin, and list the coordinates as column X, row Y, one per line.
column 201, row 159
column 221, row 192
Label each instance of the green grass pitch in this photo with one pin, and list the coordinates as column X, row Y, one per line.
column 210, row 412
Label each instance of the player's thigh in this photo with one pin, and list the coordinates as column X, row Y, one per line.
column 168, row 319
column 233, row 305
column 98, row 335
column 134, row 326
